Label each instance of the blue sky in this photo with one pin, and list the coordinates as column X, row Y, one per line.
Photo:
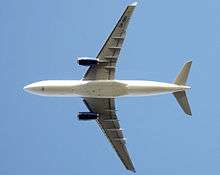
column 41, row 40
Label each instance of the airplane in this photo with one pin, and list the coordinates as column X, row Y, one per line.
column 98, row 88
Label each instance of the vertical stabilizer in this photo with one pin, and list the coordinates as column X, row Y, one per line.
column 181, row 95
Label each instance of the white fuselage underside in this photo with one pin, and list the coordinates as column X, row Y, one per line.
column 101, row 88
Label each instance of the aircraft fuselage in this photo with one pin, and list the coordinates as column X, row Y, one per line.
column 101, row 88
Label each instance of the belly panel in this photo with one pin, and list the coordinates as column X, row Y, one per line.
column 102, row 89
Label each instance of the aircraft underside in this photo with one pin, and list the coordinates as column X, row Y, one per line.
column 98, row 88
column 101, row 89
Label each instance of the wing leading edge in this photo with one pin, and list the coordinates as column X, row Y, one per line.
column 110, row 126
column 110, row 51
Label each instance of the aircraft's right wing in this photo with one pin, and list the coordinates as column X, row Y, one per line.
column 109, row 124
column 110, row 51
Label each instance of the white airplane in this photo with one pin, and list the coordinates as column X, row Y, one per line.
column 99, row 88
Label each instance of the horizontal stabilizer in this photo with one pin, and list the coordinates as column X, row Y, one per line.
column 183, row 75
column 183, row 101
column 181, row 95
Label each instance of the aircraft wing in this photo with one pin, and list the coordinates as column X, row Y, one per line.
column 109, row 53
column 109, row 124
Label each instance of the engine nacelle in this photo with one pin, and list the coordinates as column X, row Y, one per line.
column 86, row 61
column 87, row 116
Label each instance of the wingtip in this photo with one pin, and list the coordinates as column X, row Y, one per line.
column 189, row 62
column 134, row 3
column 189, row 114
column 133, row 170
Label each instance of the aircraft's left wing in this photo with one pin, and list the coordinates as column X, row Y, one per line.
column 109, row 53
column 109, row 124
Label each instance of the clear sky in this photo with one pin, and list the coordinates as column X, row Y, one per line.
column 41, row 39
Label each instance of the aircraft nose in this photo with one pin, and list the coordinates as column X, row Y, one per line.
column 27, row 88
column 30, row 88
column 33, row 88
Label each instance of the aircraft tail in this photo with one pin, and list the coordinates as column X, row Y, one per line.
column 181, row 95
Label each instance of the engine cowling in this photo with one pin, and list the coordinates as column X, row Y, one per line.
column 86, row 61
column 87, row 116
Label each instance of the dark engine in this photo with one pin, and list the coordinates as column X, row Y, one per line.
column 87, row 61
column 87, row 116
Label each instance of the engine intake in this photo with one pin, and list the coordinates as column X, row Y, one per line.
column 85, row 61
column 87, row 116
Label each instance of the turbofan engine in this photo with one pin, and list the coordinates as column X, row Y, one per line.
column 86, row 61
column 87, row 116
